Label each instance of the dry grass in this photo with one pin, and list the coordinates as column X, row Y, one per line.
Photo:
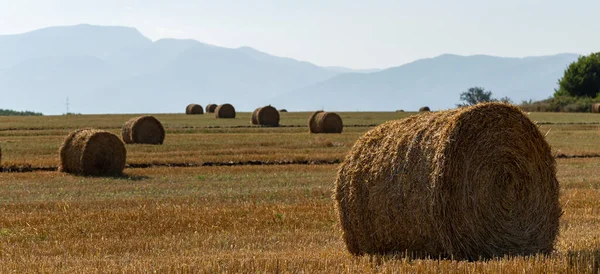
column 234, row 219
column 237, row 219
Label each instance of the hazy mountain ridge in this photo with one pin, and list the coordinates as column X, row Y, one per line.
column 118, row 70
column 435, row 82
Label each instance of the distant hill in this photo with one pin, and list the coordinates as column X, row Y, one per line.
column 118, row 70
column 435, row 82
column 349, row 70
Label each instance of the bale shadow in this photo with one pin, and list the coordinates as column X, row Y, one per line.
column 119, row 177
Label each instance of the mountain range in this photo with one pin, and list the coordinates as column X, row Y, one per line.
column 104, row 69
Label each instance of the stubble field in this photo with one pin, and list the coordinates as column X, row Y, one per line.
column 223, row 196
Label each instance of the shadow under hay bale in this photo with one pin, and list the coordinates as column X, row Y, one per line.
column 225, row 111
column 596, row 108
column 424, row 109
column 194, row 109
column 92, row 152
column 325, row 122
column 468, row 183
column 210, row 108
column 143, row 130
column 265, row 116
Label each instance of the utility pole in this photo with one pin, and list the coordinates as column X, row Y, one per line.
column 67, row 105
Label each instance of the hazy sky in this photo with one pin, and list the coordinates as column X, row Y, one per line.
column 357, row 34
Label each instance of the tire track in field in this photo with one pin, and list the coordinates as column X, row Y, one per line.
column 177, row 128
column 28, row 168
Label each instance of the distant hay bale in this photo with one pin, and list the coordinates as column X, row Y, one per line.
column 265, row 116
column 325, row 122
column 143, row 130
column 469, row 183
column 225, row 111
column 283, row 110
column 92, row 152
column 210, row 108
column 399, row 110
column 425, row 108
column 254, row 117
column 194, row 109
column 596, row 108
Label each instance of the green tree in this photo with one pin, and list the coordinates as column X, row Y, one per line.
column 581, row 78
column 474, row 96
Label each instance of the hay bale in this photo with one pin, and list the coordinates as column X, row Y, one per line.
column 143, row 130
column 194, row 109
column 423, row 109
column 225, row 111
column 596, row 108
column 469, row 183
column 283, row 110
column 254, row 117
column 266, row 116
column 92, row 152
column 210, row 108
column 325, row 122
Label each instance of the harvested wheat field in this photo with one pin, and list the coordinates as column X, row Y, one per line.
column 224, row 196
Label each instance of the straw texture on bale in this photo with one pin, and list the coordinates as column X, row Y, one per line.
column 143, row 130
column 425, row 108
column 254, row 117
column 265, row 116
column 210, row 108
column 325, row 122
column 92, row 152
column 194, row 109
column 283, row 110
column 596, row 108
column 469, row 183
column 225, row 111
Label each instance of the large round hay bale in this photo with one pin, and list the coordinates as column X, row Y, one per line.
column 210, row 108
column 596, row 108
column 266, row 116
column 283, row 110
column 423, row 109
column 143, row 130
column 254, row 117
column 325, row 122
column 225, row 111
column 194, row 109
column 92, row 152
column 469, row 183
